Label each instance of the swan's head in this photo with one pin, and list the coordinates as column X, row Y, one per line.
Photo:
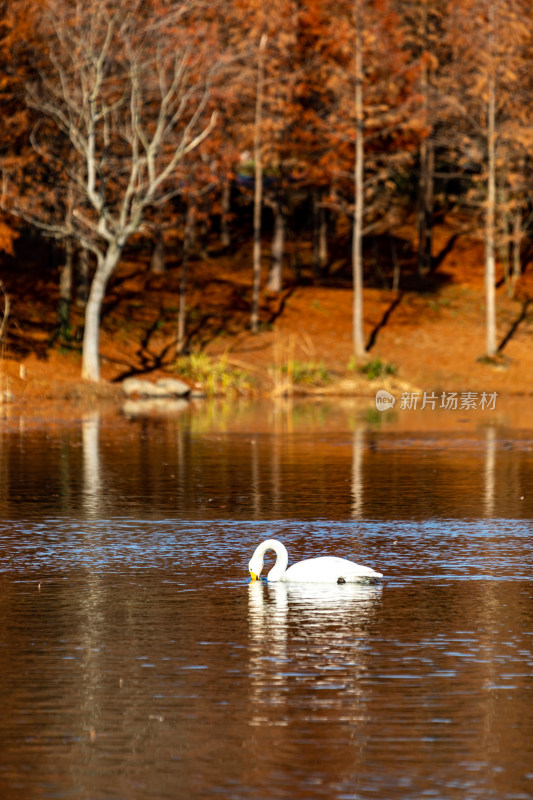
column 255, row 566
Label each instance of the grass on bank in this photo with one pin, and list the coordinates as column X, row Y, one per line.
column 288, row 372
column 219, row 376
column 309, row 373
column 375, row 369
column 215, row 376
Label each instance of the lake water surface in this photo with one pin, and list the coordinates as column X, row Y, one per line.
column 138, row 661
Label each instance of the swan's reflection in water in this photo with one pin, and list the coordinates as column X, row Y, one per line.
column 308, row 650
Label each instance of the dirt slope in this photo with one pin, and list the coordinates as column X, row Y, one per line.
column 431, row 332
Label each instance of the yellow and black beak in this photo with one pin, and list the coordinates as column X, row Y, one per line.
column 253, row 576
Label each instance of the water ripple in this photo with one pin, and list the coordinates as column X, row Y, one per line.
column 405, row 551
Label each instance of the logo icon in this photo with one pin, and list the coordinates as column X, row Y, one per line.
column 384, row 400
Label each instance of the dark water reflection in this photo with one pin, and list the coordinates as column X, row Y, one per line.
column 166, row 467
column 137, row 660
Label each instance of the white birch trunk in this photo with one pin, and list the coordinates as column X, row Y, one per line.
column 90, row 363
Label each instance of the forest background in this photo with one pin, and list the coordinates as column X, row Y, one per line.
column 307, row 193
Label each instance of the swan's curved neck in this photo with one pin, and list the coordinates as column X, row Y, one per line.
column 282, row 557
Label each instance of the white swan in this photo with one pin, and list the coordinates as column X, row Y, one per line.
column 325, row 569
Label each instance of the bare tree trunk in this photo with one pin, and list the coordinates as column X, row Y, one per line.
column 427, row 169
column 429, row 201
column 396, row 265
column 83, row 280
column 203, row 230
column 517, row 239
column 258, row 187
column 357, row 232
column 225, row 201
column 5, row 314
column 115, row 55
column 90, row 364
column 425, row 207
column 188, row 236
column 320, row 236
column 502, row 234
column 490, row 261
column 65, row 288
column 157, row 262
column 275, row 277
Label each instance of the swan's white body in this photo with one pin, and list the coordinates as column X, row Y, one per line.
column 325, row 569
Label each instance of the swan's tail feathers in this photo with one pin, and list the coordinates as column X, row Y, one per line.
column 362, row 575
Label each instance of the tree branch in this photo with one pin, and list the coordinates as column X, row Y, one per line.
column 5, row 315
